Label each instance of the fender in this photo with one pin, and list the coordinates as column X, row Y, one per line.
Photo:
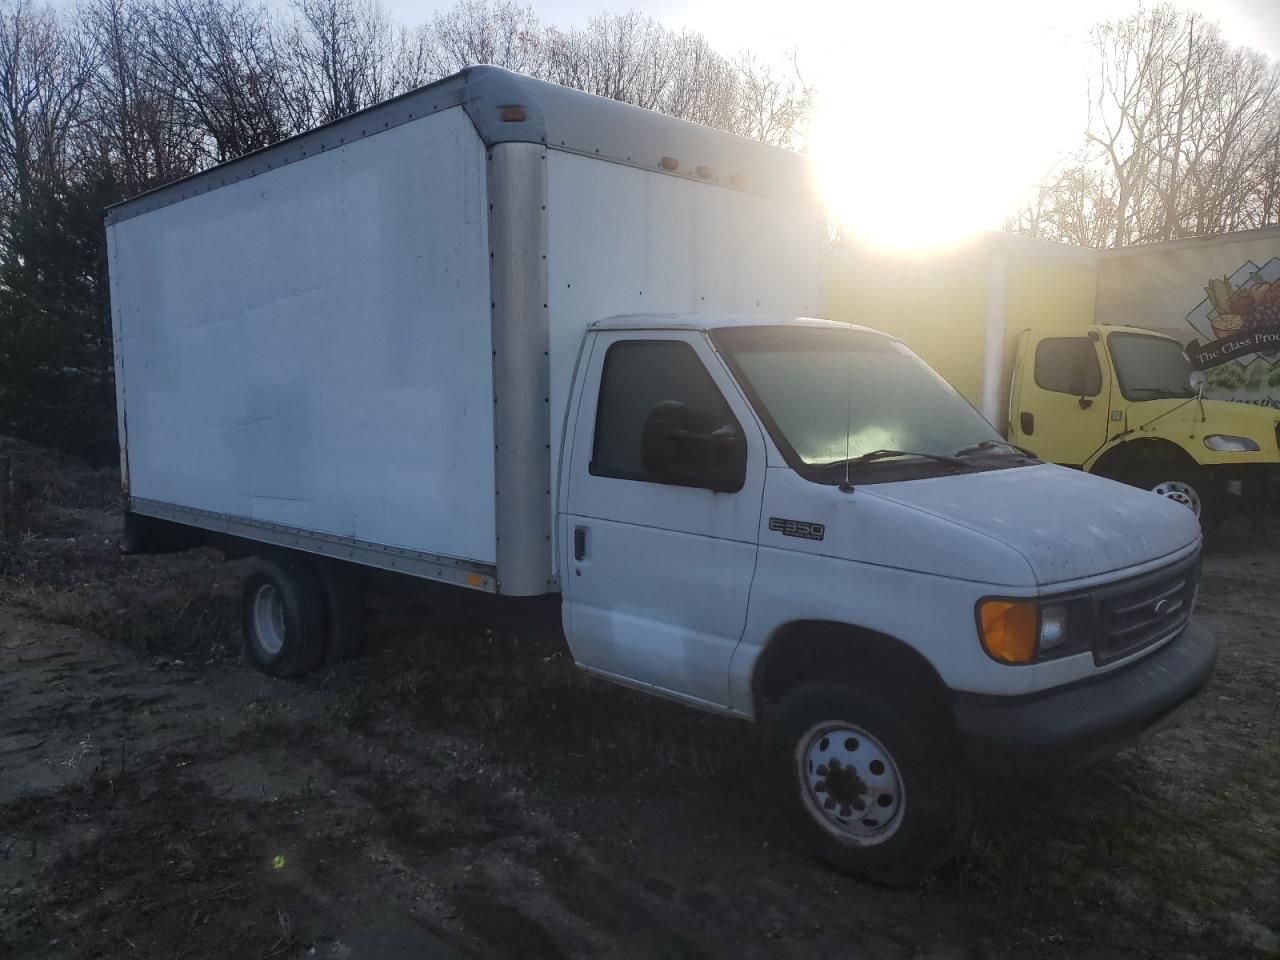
column 1183, row 425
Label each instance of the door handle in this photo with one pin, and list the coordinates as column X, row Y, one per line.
column 1027, row 421
column 579, row 543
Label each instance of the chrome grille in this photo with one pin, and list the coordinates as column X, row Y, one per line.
column 1144, row 613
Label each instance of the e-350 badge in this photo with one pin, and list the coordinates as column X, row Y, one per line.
column 804, row 529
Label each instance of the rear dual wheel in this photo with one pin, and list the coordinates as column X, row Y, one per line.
column 284, row 615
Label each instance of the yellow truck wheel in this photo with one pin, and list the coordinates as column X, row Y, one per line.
column 1189, row 486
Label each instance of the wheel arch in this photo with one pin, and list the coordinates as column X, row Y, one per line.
column 1117, row 460
column 809, row 650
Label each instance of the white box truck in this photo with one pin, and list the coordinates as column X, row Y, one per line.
column 516, row 338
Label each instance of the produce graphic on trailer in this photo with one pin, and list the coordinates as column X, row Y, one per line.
column 1239, row 320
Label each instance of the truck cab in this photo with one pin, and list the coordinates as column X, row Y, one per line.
column 800, row 522
column 1125, row 403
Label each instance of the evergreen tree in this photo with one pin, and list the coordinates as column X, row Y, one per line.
column 56, row 373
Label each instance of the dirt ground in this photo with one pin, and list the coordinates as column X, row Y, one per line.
column 462, row 791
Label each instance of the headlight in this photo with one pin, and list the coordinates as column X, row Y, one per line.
column 1015, row 631
column 1225, row 443
column 1053, row 626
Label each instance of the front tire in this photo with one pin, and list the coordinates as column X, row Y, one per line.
column 1187, row 485
column 870, row 786
column 283, row 615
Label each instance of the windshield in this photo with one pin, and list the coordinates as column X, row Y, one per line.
column 1149, row 368
column 831, row 395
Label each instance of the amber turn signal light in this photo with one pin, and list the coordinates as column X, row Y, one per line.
column 1008, row 629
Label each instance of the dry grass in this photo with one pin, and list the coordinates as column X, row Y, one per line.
column 59, row 561
column 44, row 492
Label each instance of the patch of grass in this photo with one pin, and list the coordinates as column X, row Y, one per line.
column 182, row 605
column 50, row 492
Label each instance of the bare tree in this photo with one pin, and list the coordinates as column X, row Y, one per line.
column 1181, row 141
column 635, row 59
column 504, row 34
column 342, row 57
column 44, row 69
column 219, row 60
column 136, row 121
column 771, row 106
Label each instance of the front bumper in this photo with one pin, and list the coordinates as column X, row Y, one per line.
column 1069, row 727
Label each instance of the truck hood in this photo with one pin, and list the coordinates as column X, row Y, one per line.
column 1215, row 416
column 1067, row 524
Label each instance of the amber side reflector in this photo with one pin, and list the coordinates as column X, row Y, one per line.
column 669, row 163
column 512, row 114
column 1008, row 629
column 474, row 580
column 704, row 172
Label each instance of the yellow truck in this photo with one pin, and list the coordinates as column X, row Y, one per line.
column 1158, row 366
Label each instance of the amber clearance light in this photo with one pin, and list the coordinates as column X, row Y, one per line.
column 1008, row 629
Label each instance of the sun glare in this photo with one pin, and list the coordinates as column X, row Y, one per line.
column 935, row 120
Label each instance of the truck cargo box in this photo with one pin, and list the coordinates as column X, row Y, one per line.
column 359, row 342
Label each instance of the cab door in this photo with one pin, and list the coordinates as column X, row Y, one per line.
column 659, row 514
column 1059, row 400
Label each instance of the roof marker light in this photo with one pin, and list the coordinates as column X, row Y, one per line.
column 512, row 114
column 704, row 172
column 669, row 163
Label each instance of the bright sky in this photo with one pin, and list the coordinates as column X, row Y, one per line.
column 806, row 24
column 935, row 117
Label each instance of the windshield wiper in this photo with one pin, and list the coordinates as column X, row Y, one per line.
column 1165, row 393
column 874, row 455
column 984, row 445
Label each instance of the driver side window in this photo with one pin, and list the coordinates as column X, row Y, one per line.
column 1068, row 365
column 662, row 419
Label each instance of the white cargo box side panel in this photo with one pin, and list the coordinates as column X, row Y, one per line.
column 624, row 240
column 311, row 346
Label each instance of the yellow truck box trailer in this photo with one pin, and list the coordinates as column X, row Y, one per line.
column 1158, row 365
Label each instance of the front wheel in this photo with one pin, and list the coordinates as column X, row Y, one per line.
column 870, row 786
column 1187, row 485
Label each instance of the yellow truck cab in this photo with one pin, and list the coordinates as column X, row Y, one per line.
column 1124, row 403
column 1085, row 357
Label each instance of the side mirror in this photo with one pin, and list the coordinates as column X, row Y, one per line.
column 665, row 419
column 671, row 452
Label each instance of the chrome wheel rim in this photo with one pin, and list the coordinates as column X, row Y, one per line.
column 850, row 783
column 268, row 619
column 1179, row 492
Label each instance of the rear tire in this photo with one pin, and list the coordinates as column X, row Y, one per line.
column 283, row 615
column 870, row 785
column 347, row 613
